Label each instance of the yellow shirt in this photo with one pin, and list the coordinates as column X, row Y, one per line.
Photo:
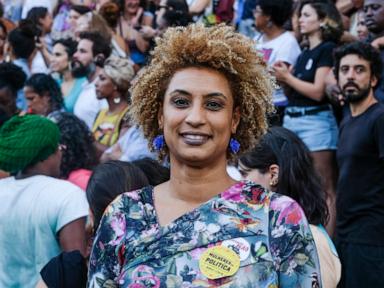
column 106, row 128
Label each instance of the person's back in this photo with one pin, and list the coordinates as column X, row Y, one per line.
column 40, row 215
column 33, row 211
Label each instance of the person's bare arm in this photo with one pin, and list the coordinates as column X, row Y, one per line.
column 72, row 236
column 314, row 91
column 198, row 6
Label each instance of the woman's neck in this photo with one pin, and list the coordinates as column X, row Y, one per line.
column 273, row 32
column 128, row 16
column 67, row 76
column 197, row 185
column 116, row 107
column 314, row 39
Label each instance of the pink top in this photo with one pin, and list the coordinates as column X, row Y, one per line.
column 80, row 177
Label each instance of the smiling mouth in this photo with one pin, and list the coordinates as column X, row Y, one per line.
column 194, row 139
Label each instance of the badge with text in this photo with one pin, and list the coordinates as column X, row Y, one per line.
column 218, row 262
column 240, row 246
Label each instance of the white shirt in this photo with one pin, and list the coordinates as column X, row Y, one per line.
column 38, row 64
column 87, row 105
column 283, row 48
column 33, row 211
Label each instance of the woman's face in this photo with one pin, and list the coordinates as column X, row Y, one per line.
column 46, row 23
column 198, row 117
column 37, row 104
column 261, row 20
column 309, row 22
column 72, row 19
column 362, row 30
column 131, row 6
column 105, row 88
column 59, row 59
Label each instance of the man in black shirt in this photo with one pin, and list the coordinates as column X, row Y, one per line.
column 360, row 156
column 374, row 19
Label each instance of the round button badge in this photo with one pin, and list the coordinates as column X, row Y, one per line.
column 218, row 262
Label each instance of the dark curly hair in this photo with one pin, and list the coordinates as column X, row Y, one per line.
column 298, row 178
column 332, row 25
column 279, row 10
column 12, row 77
column 80, row 152
column 69, row 44
column 364, row 51
column 43, row 83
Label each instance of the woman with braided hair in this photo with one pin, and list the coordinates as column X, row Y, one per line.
column 112, row 84
column 202, row 99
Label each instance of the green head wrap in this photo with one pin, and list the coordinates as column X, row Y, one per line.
column 27, row 140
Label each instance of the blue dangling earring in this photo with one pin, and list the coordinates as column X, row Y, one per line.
column 234, row 145
column 159, row 142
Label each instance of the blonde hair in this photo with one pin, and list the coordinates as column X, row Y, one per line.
column 217, row 47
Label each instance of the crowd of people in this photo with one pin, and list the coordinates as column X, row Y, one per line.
column 192, row 143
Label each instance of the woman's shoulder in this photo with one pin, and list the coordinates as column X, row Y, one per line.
column 132, row 199
column 327, row 45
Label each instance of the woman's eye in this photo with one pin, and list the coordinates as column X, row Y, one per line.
column 180, row 102
column 214, row 105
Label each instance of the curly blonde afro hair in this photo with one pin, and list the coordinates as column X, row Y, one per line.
column 217, row 47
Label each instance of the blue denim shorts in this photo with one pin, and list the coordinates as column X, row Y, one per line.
column 318, row 131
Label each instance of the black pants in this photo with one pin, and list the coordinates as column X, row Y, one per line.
column 361, row 265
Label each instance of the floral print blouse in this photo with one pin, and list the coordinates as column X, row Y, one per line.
column 267, row 231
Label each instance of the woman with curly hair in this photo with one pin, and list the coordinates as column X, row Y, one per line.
column 43, row 95
column 309, row 113
column 78, row 154
column 202, row 99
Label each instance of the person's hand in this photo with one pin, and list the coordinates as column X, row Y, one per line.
column 136, row 20
column 378, row 42
column 40, row 43
column 148, row 32
column 281, row 71
column 334, row 95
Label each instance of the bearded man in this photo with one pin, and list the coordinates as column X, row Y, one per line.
column 360, row 156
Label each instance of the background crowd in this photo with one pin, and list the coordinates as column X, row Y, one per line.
column 87, row 114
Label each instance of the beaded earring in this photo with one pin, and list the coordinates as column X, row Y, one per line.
column 159, row 142
column 234, row 145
